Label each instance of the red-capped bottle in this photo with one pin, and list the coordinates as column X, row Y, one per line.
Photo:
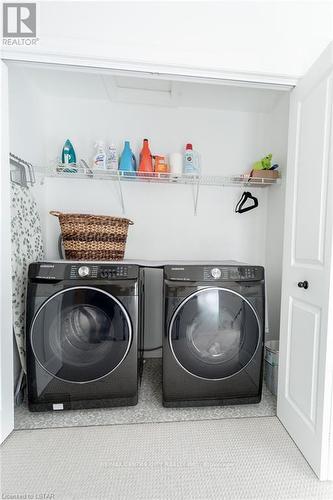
column 189, row 163
column 146, row 160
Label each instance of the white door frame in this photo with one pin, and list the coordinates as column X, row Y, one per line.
column 148, row 69
column 6, row 336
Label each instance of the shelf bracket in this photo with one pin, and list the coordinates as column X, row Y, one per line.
column 121, row 195
column 196, row 188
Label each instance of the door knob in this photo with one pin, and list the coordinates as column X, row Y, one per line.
column 303, row 284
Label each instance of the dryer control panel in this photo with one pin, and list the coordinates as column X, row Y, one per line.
column 214, row 273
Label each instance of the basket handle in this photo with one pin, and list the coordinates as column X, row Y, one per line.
column 130, row 222
column 55, row 213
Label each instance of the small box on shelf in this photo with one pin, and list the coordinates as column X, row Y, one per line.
column 265, row 174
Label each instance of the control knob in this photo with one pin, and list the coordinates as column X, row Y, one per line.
column 216, row 273
column 84, row 271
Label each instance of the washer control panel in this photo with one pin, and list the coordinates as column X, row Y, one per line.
column 102, row 271
column 83, row 271
column 59, row 271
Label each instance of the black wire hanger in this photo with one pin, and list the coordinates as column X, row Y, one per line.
column 240, row 209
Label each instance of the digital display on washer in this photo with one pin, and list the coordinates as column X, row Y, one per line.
column 116, row 271
column 235, row 273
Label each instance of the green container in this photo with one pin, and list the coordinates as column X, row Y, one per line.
column 68, row 155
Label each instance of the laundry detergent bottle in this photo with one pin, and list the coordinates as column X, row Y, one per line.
column 127, row 160
column 146, row 161
column 190, row 161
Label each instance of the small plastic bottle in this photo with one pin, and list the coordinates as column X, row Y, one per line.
column 112, row 158
column 99, row 160
column 190, row 161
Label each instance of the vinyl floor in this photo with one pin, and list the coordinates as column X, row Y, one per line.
column 242, row 458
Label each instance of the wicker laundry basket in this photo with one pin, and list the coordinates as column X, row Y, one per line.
column 93, row 237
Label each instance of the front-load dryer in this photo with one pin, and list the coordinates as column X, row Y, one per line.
column 83, row 337
column 214, row 334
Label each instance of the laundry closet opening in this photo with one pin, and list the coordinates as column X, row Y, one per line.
column 231, row 125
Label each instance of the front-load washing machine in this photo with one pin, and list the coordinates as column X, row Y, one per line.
column 83, row 337
column 214, row 334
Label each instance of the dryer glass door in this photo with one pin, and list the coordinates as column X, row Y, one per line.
column 214, row 333
column 81, row 334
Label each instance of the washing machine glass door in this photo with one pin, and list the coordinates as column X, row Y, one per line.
column 81, row 334
column 214, row 333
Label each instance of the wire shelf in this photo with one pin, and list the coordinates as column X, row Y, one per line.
column 78, row 172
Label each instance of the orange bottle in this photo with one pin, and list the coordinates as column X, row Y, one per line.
column 161, row 166
column 146, row 161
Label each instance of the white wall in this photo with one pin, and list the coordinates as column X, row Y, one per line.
column 26, row 140
column 277, row 139
column 165, row 227
column 26, row 137
column 281, row 38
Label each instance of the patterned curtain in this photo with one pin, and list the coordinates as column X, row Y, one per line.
column 27, row 247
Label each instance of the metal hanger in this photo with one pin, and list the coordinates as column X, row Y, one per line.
column 23, row 172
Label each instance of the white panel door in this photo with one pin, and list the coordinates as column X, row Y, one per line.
column 306, row 335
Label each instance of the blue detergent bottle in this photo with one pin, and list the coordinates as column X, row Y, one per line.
column 68, row 155
column 127, row 160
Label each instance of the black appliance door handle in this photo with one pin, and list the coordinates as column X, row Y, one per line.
column 303, row 284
